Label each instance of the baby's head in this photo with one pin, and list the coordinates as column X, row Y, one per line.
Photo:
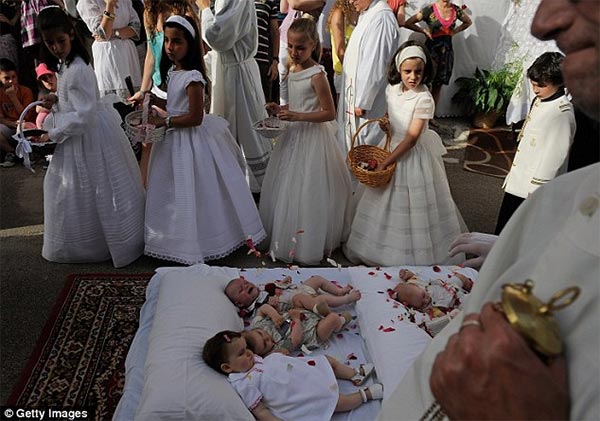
column 227, row 352
column 259, row 341
column 412, row 296
column 241, row 292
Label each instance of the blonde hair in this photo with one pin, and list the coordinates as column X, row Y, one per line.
column 307, row 27
column 343, row 5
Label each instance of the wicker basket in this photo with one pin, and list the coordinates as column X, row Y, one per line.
column 137, row 133
column 364, row 153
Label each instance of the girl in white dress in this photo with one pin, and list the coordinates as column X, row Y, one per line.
column 307, row 187
column 199, row 206
column 289, row 388
column 93, row 195
column 114, row 25
column 412, row 220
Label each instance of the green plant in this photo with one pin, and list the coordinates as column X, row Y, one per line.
column 488, row 90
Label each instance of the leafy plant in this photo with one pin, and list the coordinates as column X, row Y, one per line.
column 488, row 90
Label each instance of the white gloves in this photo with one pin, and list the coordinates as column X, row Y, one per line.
column 475, row 243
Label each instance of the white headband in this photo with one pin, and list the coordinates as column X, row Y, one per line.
column 183, row 22
column 412, row 51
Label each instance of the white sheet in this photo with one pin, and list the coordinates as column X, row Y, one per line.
column 394, row 342
column 341, row 346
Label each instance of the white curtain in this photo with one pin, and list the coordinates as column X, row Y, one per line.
column 517, row 43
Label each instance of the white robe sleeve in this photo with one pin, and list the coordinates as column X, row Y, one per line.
column 379, row 44
column 559, row 134
column 230, row 22
column 91, row 13
column 82, row 99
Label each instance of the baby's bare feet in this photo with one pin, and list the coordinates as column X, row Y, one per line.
column 343, row 290
column 353, row 296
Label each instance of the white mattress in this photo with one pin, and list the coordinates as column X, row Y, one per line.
column 391, row 350
column 349, row 347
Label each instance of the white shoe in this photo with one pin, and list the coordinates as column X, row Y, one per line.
column 358, row 379
column 376, row 391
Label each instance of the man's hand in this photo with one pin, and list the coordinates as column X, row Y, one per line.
column 273, row 72
column 473, row 243
column 488, row 371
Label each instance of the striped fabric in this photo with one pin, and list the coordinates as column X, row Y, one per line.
column 29, row 11
column 265, row 11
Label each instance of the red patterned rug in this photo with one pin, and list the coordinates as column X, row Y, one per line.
column 79, row 359
column 490, row 152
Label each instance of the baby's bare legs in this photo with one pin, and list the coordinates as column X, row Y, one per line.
column 326, row 285
column 316, row 304
column 334, row 322
column 353, row 400
column 341, row 371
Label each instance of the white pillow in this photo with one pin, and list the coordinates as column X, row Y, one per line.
column 191, row 307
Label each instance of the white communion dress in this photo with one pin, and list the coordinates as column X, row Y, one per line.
column 411, row 220
column 93, row 194
column 114, row 58
column 307, row 189
column 198, row 206
column 292, row 388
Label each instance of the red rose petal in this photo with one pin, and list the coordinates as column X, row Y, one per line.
column 351, row 356
column 387, row 276
column 311, row 362
column 389, row 329
column 301, row 355
column 372, row 273
column 377, row 268
column 437, row 269
column 379, row 292
column 380, row 327
column 340, row 336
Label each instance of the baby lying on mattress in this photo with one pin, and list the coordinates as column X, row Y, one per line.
column 439, row 298
column 283, row 387
column 285, row 295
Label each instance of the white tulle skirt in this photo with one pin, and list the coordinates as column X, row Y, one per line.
column 198, row 205
column 305, row 194
column 413, row 219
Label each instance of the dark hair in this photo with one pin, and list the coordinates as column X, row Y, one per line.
column 394, row 76
column 546, row 69
column 7, row 66
column 193, row 60
column 54, row 19
column 214, row 353
column 306, row 26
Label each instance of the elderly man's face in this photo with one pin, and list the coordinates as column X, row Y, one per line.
column 575, row 25
column 361, row 5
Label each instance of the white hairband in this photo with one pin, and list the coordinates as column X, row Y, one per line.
column 412, row 51
column 183, row 22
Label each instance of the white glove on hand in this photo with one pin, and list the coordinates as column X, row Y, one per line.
column 475, row 243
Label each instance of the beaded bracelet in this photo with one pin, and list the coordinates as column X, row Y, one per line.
column 108, row 15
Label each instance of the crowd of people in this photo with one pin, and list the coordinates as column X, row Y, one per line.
column 208, row 83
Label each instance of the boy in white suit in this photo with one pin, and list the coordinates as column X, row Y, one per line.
column 545, row 138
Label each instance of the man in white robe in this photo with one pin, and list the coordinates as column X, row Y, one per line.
column 479, row 367
column 231, row 31
column 372, row 45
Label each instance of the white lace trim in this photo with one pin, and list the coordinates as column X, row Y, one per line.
column 255, row 239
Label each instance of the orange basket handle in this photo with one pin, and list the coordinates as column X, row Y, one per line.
column 388, row 135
